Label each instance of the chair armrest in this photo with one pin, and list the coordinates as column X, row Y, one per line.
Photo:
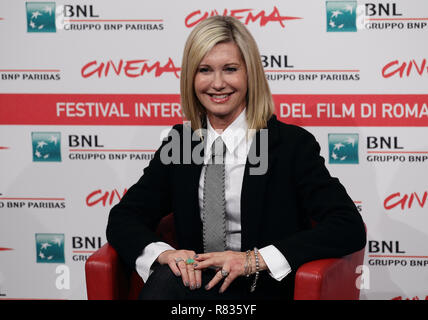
column 106, row 276
column 329, row 279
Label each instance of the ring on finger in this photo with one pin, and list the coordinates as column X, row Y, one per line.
column 177, row 260
column 224, row 273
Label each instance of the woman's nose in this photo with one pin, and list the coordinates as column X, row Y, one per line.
column 218, row 81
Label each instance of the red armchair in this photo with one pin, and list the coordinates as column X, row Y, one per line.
column 326, row 279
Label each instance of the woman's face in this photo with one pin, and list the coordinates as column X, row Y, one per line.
column 221, row 84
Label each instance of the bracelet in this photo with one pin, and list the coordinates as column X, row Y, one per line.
column 247, row 267
column 256, row 256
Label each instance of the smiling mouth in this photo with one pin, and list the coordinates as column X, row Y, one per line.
column 220, row 98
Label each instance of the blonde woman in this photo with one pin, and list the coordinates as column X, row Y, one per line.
column 242, row 232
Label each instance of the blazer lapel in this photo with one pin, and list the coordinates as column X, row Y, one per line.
column 254, row 186
column 192, row 211
column 190, row 178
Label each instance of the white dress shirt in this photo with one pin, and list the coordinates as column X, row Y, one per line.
column 237, row 147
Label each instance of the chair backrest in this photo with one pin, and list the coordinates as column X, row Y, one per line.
column 166, row 230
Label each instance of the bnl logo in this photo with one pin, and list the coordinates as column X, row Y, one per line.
column 343, row 148
column 50, row 247
column 341, row 16
column 40, row 16
column 46, row 146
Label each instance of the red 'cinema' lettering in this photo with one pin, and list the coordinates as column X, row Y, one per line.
column 129, row 68
column 405, row 68
column 245, row 15
column 98, row 196
column 396, row 199
column 414, row 298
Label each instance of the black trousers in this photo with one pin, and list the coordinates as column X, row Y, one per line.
column 163, row 284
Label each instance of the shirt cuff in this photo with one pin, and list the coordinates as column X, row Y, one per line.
column 150, row 253
column 278, row 266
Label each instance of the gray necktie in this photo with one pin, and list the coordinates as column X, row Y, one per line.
column 214, row 204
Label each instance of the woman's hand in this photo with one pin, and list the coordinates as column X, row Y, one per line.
column 231, row 263
column 176, row 259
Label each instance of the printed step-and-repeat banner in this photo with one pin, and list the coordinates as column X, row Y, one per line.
column 89, row 88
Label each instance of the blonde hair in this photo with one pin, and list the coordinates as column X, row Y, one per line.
column 202, row 39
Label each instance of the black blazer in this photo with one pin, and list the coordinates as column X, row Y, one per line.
column 279, row 207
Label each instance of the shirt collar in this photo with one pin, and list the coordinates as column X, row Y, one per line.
column 232, row 135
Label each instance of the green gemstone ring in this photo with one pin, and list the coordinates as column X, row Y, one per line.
column 190, row 261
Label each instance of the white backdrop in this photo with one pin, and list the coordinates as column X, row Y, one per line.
column 87, row 88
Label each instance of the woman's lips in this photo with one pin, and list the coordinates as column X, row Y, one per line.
column 220, row 98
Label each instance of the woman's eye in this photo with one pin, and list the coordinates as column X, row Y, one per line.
column 203, row 70
column 231, row 69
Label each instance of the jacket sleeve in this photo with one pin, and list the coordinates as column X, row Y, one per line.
column 133, row 221
column 338, row 226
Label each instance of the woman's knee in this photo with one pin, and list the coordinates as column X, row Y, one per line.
column 162, row 284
